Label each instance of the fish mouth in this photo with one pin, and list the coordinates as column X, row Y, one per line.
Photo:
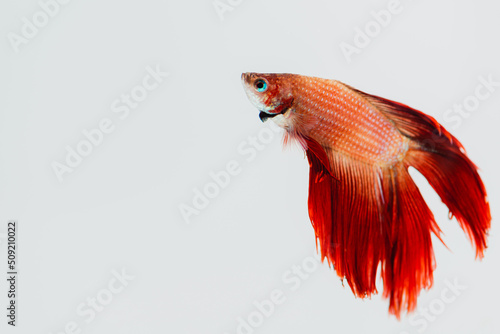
column 264, row 115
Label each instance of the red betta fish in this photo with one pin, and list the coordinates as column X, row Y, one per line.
column 363, row 204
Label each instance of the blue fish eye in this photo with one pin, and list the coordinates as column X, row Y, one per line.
column 260, row 85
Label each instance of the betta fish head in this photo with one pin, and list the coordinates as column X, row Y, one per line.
column 270, row 93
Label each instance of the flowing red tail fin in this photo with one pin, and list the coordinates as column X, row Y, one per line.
column 440, row 157
column 366, row 215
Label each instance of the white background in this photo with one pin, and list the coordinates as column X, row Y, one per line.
column 119, row 209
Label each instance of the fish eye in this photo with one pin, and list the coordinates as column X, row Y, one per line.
column 260, row 85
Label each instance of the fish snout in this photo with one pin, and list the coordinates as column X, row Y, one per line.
column 246, row 78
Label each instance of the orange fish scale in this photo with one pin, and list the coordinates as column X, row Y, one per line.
column 347, row 123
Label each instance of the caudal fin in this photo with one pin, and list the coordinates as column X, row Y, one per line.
column 365, row 216
column 440, row 157
column 409, row 261
column 454, row 177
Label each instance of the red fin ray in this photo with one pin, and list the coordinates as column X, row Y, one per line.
column 454, row 177
column 441, row 159
column 365, row 215
column 372, row 216
column 409, row 260
column 344, row 208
